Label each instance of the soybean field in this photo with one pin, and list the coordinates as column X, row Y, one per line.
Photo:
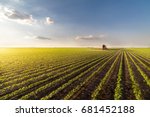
column 74, row 74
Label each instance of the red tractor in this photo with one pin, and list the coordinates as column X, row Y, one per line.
column 104, row 47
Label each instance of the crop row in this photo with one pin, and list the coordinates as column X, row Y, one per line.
column 146, row 78
column 49, row 85
column 125, row 73
column 38, row 81
column 135, row 85
column 72, row 92
column 45, row 71
column 32, row 70
column 118, row 89
column 104, row 79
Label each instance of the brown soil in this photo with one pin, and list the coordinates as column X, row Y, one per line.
column 44, row 93
column 146, row 71
column 108, row 90
column 86, row 91
column 127, row 92
column 145, row 89
column 63, row 92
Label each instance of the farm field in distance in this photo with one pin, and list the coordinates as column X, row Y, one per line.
column 74, row 74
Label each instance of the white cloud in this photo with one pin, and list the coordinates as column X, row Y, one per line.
column 102, row 36
column 31, row 36
column 90, row 37
column 16, row 1
column 17, row 16
column 49, row 21
column 42, row 38
column 7, row 14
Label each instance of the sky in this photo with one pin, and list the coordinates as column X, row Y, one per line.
column 74, row 23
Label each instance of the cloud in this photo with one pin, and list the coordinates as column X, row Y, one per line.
column 102, row 36
column 21, row 17
column 49, row 21
column 17, row 1
column 31, row 36
column 17, row 16
column 90, row 37
column 42, row 38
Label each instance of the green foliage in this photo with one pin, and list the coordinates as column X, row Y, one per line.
column 135, row 85
column 146, row 78
column 104, row 79
column 118, row 89
column 25, row 73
